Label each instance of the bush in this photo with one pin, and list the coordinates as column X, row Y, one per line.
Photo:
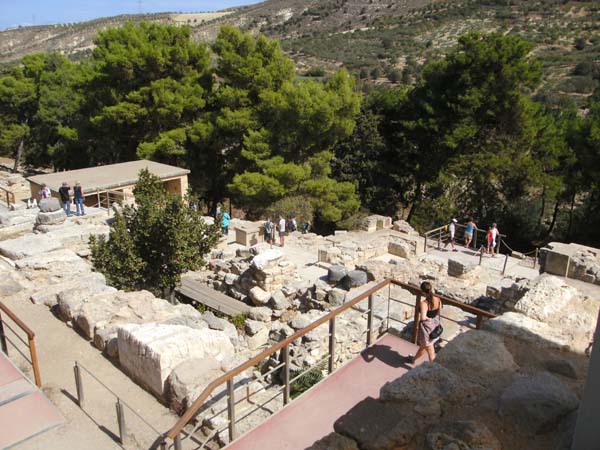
column 315, row 72
column 306, row 381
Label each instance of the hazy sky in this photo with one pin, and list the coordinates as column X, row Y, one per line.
column 43, row 12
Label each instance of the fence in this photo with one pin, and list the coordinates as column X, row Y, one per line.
column 7, row 196
column 107, row 199
column 126, row 419
column 223, row 394
column 30, row 343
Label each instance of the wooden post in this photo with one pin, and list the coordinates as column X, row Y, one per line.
column 417, row 320
column 121, row 421
column 98, row 197
column 425, row 244
column 535, row 258
column 177, row 442
column 34, row 362
column 479, row 322
column 505, row 262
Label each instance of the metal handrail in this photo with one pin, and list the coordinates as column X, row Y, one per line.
column 30, row 340
column 193, row 410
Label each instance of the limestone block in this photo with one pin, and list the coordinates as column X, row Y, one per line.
column 70, row 301
column 43, row 261
column 48, row 295
column 334, row 441
column 259, row 339
column 279, row 301
column 47, row 205
column 548, row 296
column 399, row 248
column 335, row 273
column 259, row 296
column 98, row 311
column 149, row 352
column 261, row 313
column 336, row 297
column 457, row 268
column 51, row 218
column 461, row 434
column 267, row 259
column 12, row 283
column 354, row 278
column 28, row 245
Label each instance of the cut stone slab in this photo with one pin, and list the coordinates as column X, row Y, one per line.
column 266, row 259
column 261, row 313
column 336, row 273
column 49, row 294
column 149, row 352
column 43, row 261
column 70, row 301
column 29, row 245
column 187, row 381
column 546, row 299
column 457, row 268
column 51, row 218
column 259, row 296
column 354, row 278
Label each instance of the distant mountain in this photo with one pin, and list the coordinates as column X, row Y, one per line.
column 382, row 41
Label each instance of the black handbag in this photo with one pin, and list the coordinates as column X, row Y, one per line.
column 436, row 332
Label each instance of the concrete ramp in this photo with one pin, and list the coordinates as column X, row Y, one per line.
column 24, row 409
column 311, row 417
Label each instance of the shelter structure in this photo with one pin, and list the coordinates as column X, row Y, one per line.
column 116, row 180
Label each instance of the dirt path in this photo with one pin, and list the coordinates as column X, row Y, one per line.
column 95, row 428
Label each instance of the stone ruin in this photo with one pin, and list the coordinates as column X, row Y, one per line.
column 571, row 260
column 174, row 351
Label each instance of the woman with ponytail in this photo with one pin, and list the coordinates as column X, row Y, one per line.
column 429, row 308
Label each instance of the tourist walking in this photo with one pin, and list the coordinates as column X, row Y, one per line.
column 45, row 192
column 281, row 231
column 78, row 196
column 469, row 230
column 225, row 223
column 268, row 231
column 429, row 313
column 451, row 234
column 65, row 197
column 495, row 233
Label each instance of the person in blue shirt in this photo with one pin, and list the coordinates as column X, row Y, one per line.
column 225, row 223
column 469, row 230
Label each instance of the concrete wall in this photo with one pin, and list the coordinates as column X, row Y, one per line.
column 587, row 431
column 177, row 185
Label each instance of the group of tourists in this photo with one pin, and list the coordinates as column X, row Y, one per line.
column 64, row 193
column 283, row 226
column 470, row 226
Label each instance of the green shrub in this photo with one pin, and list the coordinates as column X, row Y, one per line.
column 306, row 381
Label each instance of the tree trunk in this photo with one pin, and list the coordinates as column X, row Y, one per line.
column 415, row 202
column 542, row 212
column 19, row 155
column 170, row 295
column 554, row 215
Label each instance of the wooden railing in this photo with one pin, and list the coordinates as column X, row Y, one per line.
column 200, row 404
column 106, row 199
column 9, row 195
column 30, row 340
column 439, row 235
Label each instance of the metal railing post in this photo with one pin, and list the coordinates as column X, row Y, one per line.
column 98, row 197
column 475, row 237
column 440, row 240
column 425, row 244
column 286, row 374
column 177, row 442
column 3, row 337
column 505, row 262
column 480, row 255
column 34, row 362
column 370, row 321
column 121, row 421
column 478, row 322
column 331, row 366
column 231, row 410
column 535, row 258
column 417, row 320
column 78, row 385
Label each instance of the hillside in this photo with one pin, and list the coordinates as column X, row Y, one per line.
column 380, row 40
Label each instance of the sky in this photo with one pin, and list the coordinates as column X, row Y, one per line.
column 43, row 12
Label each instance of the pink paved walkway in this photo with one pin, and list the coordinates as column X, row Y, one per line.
column 24, row 410
column 311, row 417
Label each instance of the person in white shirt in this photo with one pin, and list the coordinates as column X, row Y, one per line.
column 495, row 234
column 451, row 234
column 45, row 192
column 281, row 230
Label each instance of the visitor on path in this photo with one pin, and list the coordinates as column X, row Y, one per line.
column 31, row 203
column 292, row 225
column 305, row 227
column 268, row 231
column 218, row 211
column 65, row 197
column 469, row 230
column 78, row 196
column 45, row 192
column 451, row 234
column 495, row 234
column 225, row 223
column 429, row 310
column 281, row 231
